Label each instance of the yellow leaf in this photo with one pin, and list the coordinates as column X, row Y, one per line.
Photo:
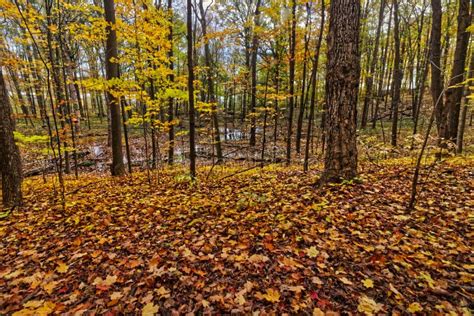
column 312, row 252
column 272, row 296
column 107, row 282
column 415, row 307
column 49, row 287
column 427, row 277
column 149, row 309
column 62, row 267
column 368, row 283
column 46, row 309
column 240, row 299
column 33, row 304
column 24, row 312
column 368, row 306
column 110, row 280
column 318, row 312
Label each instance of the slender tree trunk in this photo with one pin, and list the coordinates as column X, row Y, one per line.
column 314, row 77
column 192, row 123
column 383, row 72
column 112, row 71
column 211, row 96
column 397, row 74
column 342, row 86
column 436, row 75
column 370, row 76
column 462, row 123
column 291, row 104
column 253, row 66
column 171, row 80
column 299, row 128
column 10, row 161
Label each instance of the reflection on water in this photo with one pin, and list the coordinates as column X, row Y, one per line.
column 232, row 134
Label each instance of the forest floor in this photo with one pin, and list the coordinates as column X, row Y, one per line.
column 263, row 240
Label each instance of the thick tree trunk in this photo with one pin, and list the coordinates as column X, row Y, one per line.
column 10, row 161
column 454, row 93
column 342, row 86
column 112, row 71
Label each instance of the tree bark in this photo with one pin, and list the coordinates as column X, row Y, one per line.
column 397, row 74
column 292, row 62
column 455, row 91
column 10, row 161
column 171, row 79
column 192, row 123
column 299, row 128
column 462, row 123
column 436, row 75
column 112, row 72
column 253, row 66
column 342, row 85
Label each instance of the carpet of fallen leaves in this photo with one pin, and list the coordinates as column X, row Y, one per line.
column 261, row 241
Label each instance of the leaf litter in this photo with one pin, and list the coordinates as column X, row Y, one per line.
column 266, row 240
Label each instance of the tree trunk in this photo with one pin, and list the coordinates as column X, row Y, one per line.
column 299, row 128
column 211, row 96
column 436, row 75
column 192, row 123
column 462, row 123
column 454, row 93
column 342, row 86
column 253, row 66
column 10, row 161
column 397, row 74
column 171, row 79
column 314, row 74
column 291, row 104
column 112, row 71
column 370, row 76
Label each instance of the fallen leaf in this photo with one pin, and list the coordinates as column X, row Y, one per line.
column 33, row 304
column 62, row 267
column 318, row 312
column 150, row 309
column 312, row 252
column 346, row 281
column 368, row 283
column 49, row 287
column 368, row 306
column 116, row 296
column 415, row 307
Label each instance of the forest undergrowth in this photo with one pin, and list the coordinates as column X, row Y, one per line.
column 264, row 240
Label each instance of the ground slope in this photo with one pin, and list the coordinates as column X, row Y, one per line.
column 264, row 240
